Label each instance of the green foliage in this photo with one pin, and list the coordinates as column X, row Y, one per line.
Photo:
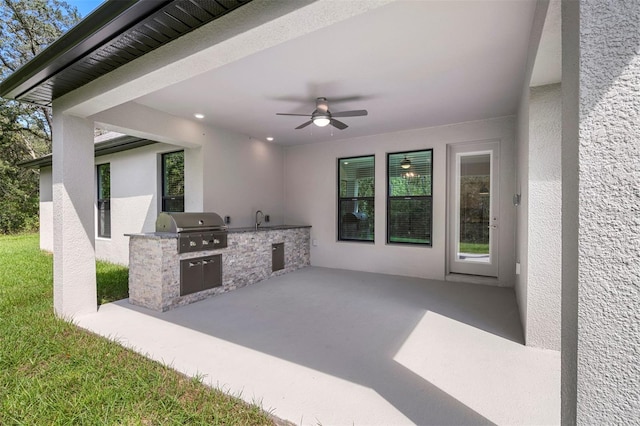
column 410, row 208
column 26, row 28
column 104, row 181
column 54, row 373
column 174, row 173
column 357, row 192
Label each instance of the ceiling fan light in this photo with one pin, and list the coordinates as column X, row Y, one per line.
column 406, row 163
column 321, row 121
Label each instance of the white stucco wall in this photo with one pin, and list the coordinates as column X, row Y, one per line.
column 46, row 209
column 543, row 207
column 243, row 175
column 310, row 188
column 238, row 174
column 74, row 263
column 135, row 184
column 602, row 306
column 570, row 129
column 522, row 188
column 539, row 245
column 538, row 181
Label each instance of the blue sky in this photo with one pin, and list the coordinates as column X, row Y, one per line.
column 85, row 6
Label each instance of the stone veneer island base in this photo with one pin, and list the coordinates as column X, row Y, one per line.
column 154, row 263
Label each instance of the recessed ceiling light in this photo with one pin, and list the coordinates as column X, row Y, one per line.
column 198, row 116
column 270, row 138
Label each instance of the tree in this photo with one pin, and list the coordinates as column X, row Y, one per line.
column 26, row 28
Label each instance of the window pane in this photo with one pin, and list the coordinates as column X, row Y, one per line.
column 173, row 182
column 356, row 190
column 410, row 173
column 356, row 220
column 357, row 177
column 104, row 182
column 104, row 219
column 104, row 200
column 173, row 204
column 173, row 173
column 409, row 197
column 410, row 221
column 475, row 183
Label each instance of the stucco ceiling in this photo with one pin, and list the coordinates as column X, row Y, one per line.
column 411, row 64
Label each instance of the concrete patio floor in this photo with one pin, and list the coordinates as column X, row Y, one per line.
column 326, row 346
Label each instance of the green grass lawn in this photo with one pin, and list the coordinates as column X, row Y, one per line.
column 52, row 372
column 476, row 248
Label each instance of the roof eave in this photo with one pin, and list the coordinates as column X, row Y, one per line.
column 105, row 23
column 112, row 146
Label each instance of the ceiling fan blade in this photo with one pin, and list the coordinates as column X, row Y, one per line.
column 354, row 113
column 338, row 124
column 297, row 115
column 303, row 125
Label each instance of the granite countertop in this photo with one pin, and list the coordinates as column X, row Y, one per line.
column 154, row 234
column 160, row 235
column 266, row 228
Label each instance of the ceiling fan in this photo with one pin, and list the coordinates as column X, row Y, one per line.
column 322, row 116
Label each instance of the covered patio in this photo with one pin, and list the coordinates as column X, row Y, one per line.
column 330, row 346
column 554, row 82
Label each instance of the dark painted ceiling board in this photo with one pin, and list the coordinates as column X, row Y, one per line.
column 147, row 32
column 108, row 60
column 184, row 17
column 137, row 41
column 124, row 45
column 116, row 33
column 174, row 23
column 213, row 7
column 163, row 26
column 86, row 69
column 194, row 10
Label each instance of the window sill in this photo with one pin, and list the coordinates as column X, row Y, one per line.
column 409, row 245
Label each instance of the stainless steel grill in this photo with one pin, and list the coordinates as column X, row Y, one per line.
column 196, row 231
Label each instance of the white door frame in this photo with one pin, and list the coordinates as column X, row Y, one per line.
column 469, row 267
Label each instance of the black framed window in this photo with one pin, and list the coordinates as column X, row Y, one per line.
column 409, row 197
column 173, row 182
column 104, row 200
column 356, row 190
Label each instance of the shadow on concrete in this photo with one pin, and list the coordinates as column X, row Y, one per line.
column 351, row 325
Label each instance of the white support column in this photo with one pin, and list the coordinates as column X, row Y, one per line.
column 74, row 268
column 544, row 224
column 601, row 212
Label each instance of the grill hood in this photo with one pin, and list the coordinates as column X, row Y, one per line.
column 188, row 222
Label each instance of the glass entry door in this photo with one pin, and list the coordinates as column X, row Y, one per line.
column 473, row 209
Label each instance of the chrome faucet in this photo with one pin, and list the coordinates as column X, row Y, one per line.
column 259, row 222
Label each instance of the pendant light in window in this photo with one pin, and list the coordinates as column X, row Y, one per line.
column 406, row 163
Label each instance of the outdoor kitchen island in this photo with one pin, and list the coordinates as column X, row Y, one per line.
column 158, row 272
